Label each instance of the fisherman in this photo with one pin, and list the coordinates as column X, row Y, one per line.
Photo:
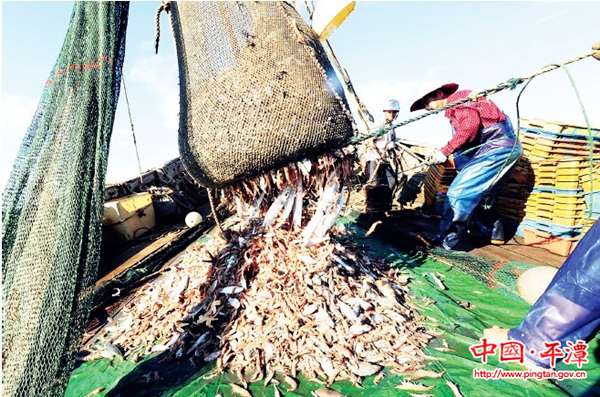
column 484, row 149
column 378, row 169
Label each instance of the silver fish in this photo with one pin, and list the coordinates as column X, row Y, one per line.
column 287, row 209
column 232, row 289
column 277, row 206
column 332, row 217
column 297, row 216
column 326, row 202
column 254, row 209
column 200, row 341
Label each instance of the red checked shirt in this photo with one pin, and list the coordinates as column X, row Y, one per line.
column 467, row 118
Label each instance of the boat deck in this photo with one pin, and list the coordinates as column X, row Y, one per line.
column 417, row 220
column 513, row 251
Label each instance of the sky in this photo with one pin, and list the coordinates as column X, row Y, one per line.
column 390, row 49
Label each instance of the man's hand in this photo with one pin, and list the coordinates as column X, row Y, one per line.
column 437, row 157
column 473, row 95
column 390, row 146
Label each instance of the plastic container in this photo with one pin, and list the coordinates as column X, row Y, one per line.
column 129, row 217
column 552, row 228
column 569, row 220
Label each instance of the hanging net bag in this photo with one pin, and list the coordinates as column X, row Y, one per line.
column 52, row 205
column 257, row 90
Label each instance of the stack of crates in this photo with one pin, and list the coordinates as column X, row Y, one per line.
column 436, row 184
column 555, row 185
column 511, row 199
column 543, row 139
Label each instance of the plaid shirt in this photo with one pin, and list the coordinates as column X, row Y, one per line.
column 468, row 117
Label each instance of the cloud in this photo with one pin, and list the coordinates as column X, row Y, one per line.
column 159, row 76
column 431, row 130
column 549, row 18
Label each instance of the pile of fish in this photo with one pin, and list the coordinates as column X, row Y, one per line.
column 284, row 292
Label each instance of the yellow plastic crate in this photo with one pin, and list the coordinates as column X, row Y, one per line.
column 567, row 184
column 570, row 172
column 568, row 220
column 557, row 126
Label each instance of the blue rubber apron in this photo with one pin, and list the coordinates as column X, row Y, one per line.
column 482, row 165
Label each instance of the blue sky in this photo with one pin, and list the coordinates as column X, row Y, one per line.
column 391, row 49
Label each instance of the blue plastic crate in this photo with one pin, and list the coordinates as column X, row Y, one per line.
column 553, row 228
column 553, row 190
column 583, row 136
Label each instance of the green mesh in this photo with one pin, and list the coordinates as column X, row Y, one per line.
column 52, row 205
column 498, row 275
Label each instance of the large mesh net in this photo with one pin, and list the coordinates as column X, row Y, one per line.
column 52, row 205
column 257, row 90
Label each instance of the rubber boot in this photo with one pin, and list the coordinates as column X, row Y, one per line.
column 452, row 235
column 497, row 237
column 491, row 230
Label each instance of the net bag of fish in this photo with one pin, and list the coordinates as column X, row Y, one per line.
column 257, row 90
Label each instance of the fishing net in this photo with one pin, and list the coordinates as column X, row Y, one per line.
column 500, row 275
column 257, row 90
column 52, row 205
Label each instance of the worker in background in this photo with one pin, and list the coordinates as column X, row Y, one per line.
column 484, row 149
column 567, row 312
column 378, row 169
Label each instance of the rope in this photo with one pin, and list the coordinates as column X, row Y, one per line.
column 165, row 6
column 591, row 145
column 509, row 84
column 137, row 155
column 309, row 10
column 495, row 268
column 213, row 210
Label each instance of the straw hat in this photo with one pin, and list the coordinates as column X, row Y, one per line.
column 446, row 89
column 534, row 282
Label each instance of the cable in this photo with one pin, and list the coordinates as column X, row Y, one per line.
column 137, row 155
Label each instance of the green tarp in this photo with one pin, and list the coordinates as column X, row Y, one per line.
column 462, row 328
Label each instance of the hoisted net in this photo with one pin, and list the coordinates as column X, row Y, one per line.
column 52, row 205
column 257, row 90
